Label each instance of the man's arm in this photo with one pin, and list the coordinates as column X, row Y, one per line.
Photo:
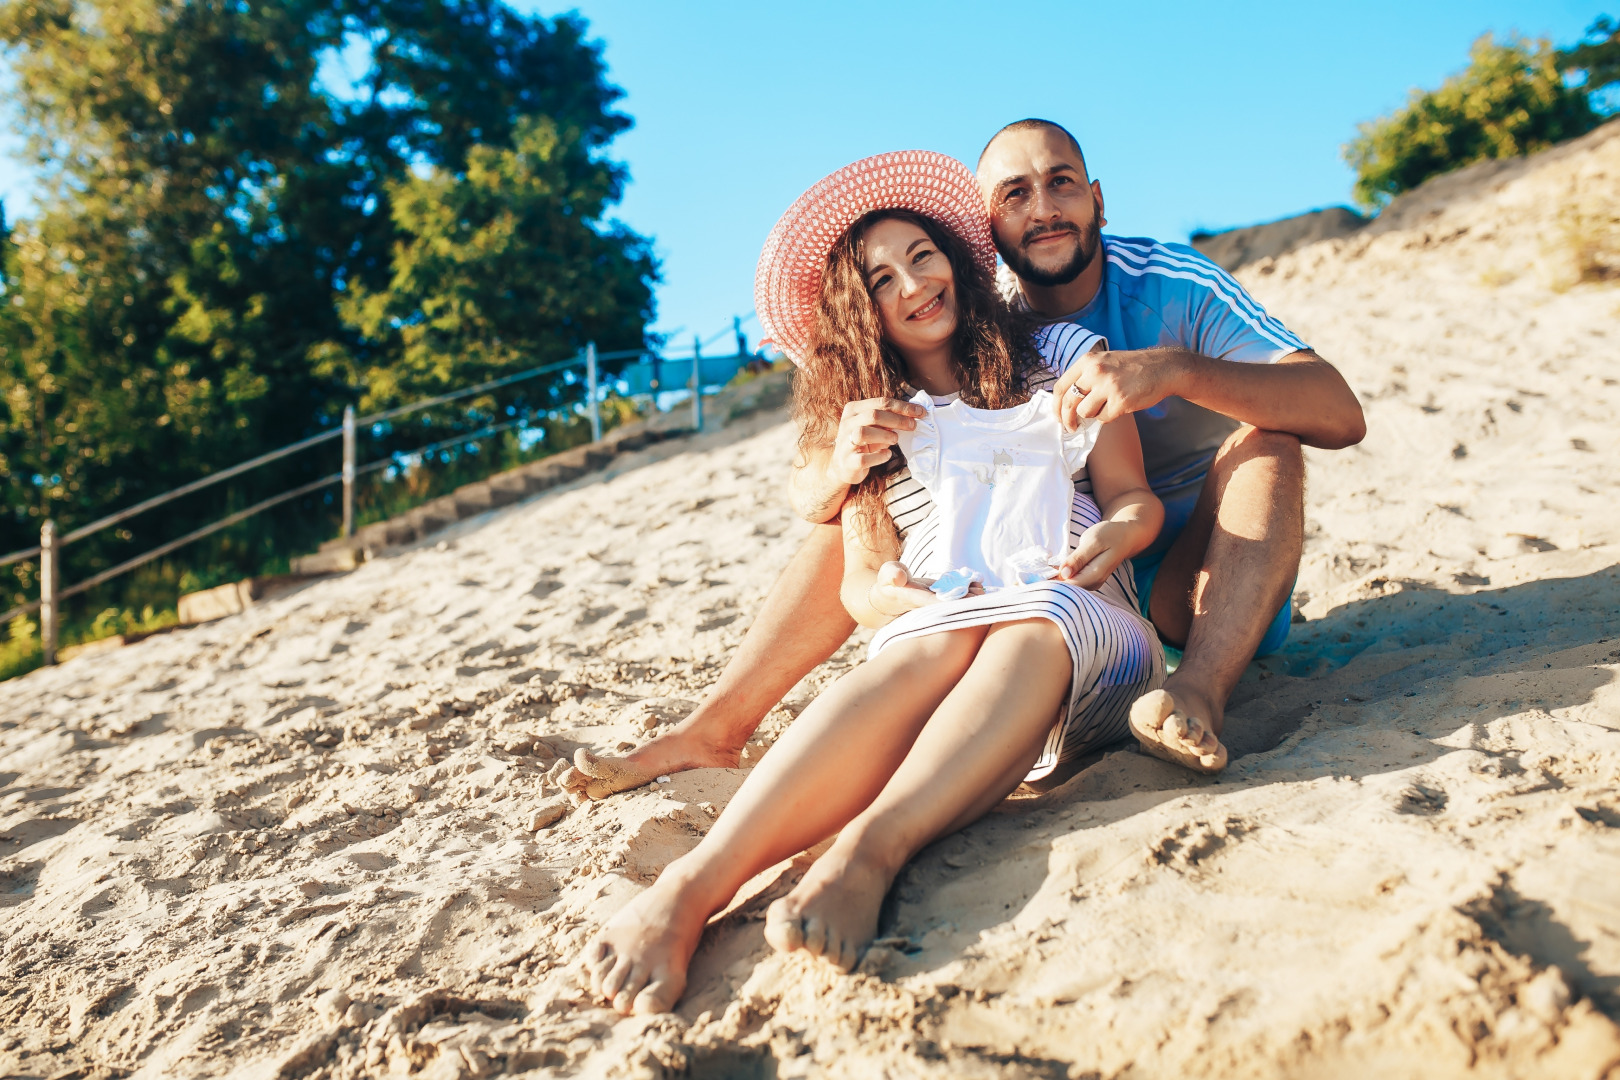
column 1301, row 394
column 814, row 495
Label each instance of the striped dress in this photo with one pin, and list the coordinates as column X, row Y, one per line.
column 1115, row 652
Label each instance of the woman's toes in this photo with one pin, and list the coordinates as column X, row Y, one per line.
column 616, row 978
column 783, row 932
column 815, row 936
column 844, row 959
column 659, row 997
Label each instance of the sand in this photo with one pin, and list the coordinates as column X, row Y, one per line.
column 300, row 841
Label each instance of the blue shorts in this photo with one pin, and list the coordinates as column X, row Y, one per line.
column 1177, row 510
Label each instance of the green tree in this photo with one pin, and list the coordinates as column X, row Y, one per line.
column 1598, row 56
column 500, row 268
column 1510, row 100
column 178, row 303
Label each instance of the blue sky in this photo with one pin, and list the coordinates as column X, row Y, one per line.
column 1193, row 115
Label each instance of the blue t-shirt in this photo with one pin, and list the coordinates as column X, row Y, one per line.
column 1168, row 295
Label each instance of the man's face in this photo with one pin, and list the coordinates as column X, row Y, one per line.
column 1045, row 214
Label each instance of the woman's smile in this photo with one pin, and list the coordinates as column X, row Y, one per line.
column 928, row 310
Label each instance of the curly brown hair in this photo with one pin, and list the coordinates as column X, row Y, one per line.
column 993, row 352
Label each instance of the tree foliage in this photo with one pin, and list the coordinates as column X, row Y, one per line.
column 227, row 252
column 1512, row 99
column 1597, row 56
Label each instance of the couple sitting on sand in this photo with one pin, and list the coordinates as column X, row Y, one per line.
column 1021, row 547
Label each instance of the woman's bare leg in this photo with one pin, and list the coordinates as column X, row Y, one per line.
column 824, row 770
column 974, row 750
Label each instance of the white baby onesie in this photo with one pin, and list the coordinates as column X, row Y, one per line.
column 1001, row 481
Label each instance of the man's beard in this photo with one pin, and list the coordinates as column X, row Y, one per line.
column 1084, row 253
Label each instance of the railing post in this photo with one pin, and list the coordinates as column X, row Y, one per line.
column 697, row 384
column 48, row 572
column 590, row 392
column 348, row 470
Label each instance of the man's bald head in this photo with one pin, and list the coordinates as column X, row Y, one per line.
column 1036, row 124
column 1046, row 214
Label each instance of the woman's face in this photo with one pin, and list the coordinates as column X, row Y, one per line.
column 911, row 282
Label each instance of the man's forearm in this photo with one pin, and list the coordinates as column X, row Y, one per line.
column 815, row 496
column 1302, row 395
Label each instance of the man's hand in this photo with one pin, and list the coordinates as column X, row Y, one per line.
column 866, row 434
column 1100, row 551
column 1104, row 385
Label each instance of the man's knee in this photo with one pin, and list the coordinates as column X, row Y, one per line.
column 1281, row 452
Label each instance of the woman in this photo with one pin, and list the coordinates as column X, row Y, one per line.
column 878, row 281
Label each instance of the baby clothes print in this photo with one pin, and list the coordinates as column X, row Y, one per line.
column 1002, row 482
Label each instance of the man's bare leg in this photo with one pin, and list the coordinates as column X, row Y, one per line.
column 1218, row 589
column 802, row 623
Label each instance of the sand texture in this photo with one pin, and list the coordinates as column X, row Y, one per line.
column 301, row 841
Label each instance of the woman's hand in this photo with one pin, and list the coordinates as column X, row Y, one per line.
column 866, row 433
column 896, row 592
column 1100, row 551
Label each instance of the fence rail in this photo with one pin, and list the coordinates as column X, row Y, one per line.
column 49, row 550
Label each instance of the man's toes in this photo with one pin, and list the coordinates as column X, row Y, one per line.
column 1175, row 728
column 1152, row 709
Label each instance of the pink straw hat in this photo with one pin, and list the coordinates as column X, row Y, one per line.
column 787, row 283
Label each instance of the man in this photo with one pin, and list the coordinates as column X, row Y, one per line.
column 1223, row 397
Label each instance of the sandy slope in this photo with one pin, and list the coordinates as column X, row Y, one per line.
column 297, row 842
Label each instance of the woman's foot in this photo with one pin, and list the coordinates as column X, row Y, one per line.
column 684, row 746
column 833, row 912
column 637, row 962
column 1179, row 728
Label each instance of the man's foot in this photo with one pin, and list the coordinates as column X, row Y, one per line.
column 1178, row 728
column 637, row 962
column 684, row 746
column 833, row 912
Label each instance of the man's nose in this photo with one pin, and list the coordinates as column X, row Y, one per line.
column 1042, row 205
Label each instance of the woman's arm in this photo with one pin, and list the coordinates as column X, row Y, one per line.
column 876, row 589
column 1131, row 513
column 822, row 477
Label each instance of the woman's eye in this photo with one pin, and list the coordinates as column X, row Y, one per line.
column 880, row 282
column 920, row 256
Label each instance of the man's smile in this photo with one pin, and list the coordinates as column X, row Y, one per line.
column 1048, row 236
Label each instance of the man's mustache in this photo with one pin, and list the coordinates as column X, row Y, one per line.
column 1045, row 230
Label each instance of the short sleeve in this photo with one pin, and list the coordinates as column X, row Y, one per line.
column 1221, row 319
column 1061, row 344
column 920, row 445
column 1078, row 444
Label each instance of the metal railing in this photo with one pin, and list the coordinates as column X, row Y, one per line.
column 49, row 550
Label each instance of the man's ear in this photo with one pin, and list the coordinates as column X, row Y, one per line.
column 1097, row 200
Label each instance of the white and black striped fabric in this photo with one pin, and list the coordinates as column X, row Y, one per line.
column 1115, row 652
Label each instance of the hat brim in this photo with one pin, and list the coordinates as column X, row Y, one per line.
column 787, row 282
